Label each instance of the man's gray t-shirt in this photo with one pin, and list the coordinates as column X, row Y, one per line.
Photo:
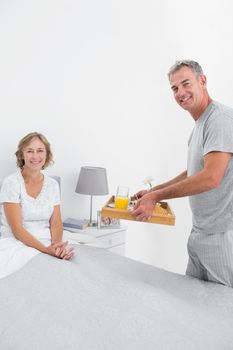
column 212, row 210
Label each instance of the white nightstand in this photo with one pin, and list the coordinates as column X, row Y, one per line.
column 112, row 239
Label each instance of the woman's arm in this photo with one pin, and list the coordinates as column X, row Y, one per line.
column 56, row 227
column 14, row 218
column 56, row 230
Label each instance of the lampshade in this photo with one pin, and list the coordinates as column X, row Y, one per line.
column 92, row 181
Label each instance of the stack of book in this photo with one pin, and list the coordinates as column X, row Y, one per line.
column 75, row 224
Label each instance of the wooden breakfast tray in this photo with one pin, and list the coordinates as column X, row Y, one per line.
column 162, row 214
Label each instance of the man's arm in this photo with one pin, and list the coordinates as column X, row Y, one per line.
column 215, row 164
column 178, row 178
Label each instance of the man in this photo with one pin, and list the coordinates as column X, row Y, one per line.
column 208, row 179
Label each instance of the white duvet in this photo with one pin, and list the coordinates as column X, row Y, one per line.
column 14, row 254
column 101, row 301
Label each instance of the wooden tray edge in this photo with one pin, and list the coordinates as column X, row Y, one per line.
column 125, row 215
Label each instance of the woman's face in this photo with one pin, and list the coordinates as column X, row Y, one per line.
column 34, row 154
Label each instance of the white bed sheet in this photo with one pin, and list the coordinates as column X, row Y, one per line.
column 14, row 254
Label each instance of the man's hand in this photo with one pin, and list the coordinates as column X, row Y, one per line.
column 144, row 208
column 139, row 194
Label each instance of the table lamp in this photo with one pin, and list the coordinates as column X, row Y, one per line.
column 92, row 181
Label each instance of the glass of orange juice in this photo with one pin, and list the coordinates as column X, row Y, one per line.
column 122, row 198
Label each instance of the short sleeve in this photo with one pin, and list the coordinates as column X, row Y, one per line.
column 218, row 135
column 10, row 190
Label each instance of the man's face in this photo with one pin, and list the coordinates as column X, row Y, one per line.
column 188, row 89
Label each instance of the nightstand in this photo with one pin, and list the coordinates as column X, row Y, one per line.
column 112, row 239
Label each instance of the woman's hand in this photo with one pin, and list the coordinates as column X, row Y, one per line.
column 65, row 252
column 60, row 250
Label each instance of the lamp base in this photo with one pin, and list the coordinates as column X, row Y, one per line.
column 92, row 224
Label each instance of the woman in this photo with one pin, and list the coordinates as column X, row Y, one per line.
column 31, row 206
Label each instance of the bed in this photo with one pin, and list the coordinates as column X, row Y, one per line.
column 103, row 301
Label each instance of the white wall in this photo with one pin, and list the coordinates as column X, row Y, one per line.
column 91, row 76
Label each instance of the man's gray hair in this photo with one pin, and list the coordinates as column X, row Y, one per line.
column 195, row 66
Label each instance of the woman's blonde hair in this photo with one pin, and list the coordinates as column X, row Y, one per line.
column 25, row 141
